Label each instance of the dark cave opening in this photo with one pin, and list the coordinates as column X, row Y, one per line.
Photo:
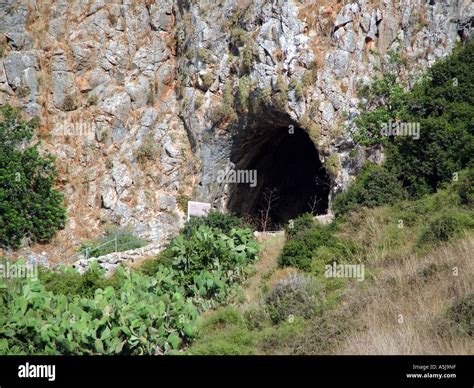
column 290, row 178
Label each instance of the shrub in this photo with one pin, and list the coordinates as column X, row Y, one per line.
column 442, row 104
column 125, row 238
column 69, row 103
column 225, row 110
column 311, row 247
column 333, row 165
column 69, row 282
column 30, row 207
column 297, row 295
column 449, row 224
column 243, row 94
column 147, row 150
column 208, row 80
column 375, row 186
column 247, row 59
column 182, row 202
column 198, row 101
column 465, row 186
column 223, row 222
column 151, row 266
column 299, row 225
column 461, row 314
column 297, row 254
column 280, row 95
column 222, row 318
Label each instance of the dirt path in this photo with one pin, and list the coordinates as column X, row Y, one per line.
column 271, row 245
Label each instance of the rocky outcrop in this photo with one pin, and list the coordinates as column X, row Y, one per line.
column 322, row 52
column 142, row 101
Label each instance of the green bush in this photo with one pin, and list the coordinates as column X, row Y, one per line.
column 69, row 282
column 375, row 186
column 296, row 254
column 223, row 222
column 465, row 186
column 126, row 240
column 296, row 295
column 305, row 247
column 151, row 266
column 299, row 225
column 442, row 104
column 30, row 207
column 222, row 318
column 450, row 223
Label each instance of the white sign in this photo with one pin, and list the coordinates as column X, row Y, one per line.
column 198, row 209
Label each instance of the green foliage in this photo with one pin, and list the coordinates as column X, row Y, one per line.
column 205, row 55
column 69, row 282
column 299, row 225
column 243, row 94
column 333, row 165
column 280, row 95
column 214, row 256
column 296, row 253
column 151, row 311
column 225, row 111
column 384, row 101
column 223, row 222
column 182, row 202
column 375, row 186
column 465, row 186
column 247, row 59
column 199, row 100
column 208, row 80
column 238, row 37
column 151, row 266
column 294, row 296
column 310, row 75
column 311, row 247
column 224, row 332
column 30, row 207
column 147, row 150
column 126, row 240
column 298, row 89
column 442, row 104
column 446, row 225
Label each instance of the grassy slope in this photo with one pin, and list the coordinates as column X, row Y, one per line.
column 401, row 307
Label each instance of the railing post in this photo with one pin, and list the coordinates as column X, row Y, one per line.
column 87, row 253
column 116, row 244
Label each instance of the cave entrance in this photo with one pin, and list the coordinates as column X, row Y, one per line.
column 290, row 179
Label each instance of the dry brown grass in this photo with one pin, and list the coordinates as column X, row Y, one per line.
column 406, row 303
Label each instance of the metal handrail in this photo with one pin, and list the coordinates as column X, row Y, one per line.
column 88, row 250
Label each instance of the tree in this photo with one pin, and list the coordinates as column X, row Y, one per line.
column 30, row 206
column 441, row 104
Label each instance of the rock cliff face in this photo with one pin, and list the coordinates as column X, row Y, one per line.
column 144, row 102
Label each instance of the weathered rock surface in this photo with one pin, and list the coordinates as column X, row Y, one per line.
column 128, row 90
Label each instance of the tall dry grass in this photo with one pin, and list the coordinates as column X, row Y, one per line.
column 404, row 309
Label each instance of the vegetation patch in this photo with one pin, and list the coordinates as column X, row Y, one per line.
column 115, row 240
column 153, row 310
column 31, row 209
